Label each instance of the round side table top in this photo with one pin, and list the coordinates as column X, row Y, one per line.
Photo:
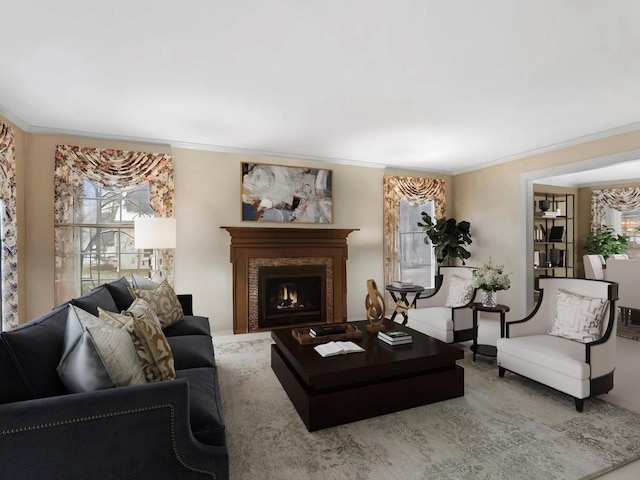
column 498, row 308
column 414, row 288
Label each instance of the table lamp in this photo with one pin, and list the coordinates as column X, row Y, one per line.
column 155, row 233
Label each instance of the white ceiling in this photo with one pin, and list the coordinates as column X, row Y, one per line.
column 436, row 85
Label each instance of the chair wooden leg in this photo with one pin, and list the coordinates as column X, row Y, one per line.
column 501, row 371
column 579, row 404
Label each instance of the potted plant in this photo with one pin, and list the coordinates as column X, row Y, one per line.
column 448, row 238
column 490, row 278
column 605, row 242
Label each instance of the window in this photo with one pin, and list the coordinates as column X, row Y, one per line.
column 416, row 257
column 103, row 234
column 629, row 225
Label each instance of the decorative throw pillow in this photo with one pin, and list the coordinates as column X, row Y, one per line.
column 153, row 351
column 164, row 302
column 460, row 292
column 144, row 283
column 96, row 355
column 578, row 317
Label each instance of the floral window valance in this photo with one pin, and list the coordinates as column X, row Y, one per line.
column 621, row 199
column 415, row 190
column 113, row 169
column 8, row 233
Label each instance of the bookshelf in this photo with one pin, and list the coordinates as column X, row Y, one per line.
column 554, row 234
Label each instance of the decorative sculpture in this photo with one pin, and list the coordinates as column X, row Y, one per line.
column 374, row 303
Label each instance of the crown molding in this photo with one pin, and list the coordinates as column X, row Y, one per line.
column 558, row 146
column 339, row 161
column 13, row 118
column 269, row 153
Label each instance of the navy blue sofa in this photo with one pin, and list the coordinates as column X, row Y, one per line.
column 164, row 430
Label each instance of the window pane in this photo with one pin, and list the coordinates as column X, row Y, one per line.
column 629, row 226
column 416, row 257
column 106, row 251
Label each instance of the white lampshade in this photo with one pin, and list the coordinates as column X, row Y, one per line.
column 154, row 232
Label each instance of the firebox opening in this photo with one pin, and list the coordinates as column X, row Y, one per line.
column 291, row 295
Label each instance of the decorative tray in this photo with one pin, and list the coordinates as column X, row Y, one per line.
column 303, row 337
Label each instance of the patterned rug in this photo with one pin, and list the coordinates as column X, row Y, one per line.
column 631, row 330
column 631, row 327
column 509, row 428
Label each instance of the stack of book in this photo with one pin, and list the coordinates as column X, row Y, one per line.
column 402, row 284
column 324, row 330
column 395, row 337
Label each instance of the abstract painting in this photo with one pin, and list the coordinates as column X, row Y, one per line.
column 275, row 193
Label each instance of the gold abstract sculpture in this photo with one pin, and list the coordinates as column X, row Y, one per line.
column 374, row 303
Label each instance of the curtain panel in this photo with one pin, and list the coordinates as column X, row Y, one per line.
column 9, row 230
column 622, row 199
column 415, row 190
column 114, row 169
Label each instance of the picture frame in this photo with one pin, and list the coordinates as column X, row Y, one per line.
column 286, row 194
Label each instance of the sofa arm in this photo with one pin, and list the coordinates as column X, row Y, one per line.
column 138, row 432
column 186, row 300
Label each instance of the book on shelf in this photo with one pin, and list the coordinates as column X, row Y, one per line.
column 556, row 234
column 327, row 330
column 337, row 348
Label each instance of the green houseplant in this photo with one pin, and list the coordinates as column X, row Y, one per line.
column 605, row 242
column 448, row 237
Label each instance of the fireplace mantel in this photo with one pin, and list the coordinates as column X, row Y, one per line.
column 271, row 243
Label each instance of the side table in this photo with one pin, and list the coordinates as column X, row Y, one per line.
column 404, row 291
column 487, row 350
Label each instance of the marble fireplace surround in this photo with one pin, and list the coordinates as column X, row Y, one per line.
column 252, row 248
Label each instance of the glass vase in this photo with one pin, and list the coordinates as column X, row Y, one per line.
column 489, row 299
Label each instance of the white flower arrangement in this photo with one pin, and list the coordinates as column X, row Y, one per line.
column 491, row 277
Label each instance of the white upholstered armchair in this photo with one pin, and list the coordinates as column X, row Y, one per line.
column 446, row 315
column 593, row 267
column 569, row 341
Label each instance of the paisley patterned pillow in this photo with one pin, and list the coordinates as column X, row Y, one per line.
column 153, row 350
column 163, row 301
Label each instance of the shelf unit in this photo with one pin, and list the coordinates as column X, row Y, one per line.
column 554, row 258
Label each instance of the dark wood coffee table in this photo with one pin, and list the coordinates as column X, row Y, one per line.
column 341, row 389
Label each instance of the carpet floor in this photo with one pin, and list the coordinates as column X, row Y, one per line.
column 509, row 428
column 631, row 331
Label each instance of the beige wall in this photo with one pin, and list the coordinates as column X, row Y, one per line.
column 494, row 201
column 207, row 198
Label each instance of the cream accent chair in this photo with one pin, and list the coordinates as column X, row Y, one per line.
column 626, row 273
column 433, row 318
column 581, row 370
column 593, row 267
column 620, row 256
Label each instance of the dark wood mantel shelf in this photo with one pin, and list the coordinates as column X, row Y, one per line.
column 260, row 242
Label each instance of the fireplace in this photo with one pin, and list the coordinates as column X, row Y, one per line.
column 253, row 249
column 291, row 295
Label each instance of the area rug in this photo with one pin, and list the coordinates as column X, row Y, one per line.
column 631, row 330
column 509, row 428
